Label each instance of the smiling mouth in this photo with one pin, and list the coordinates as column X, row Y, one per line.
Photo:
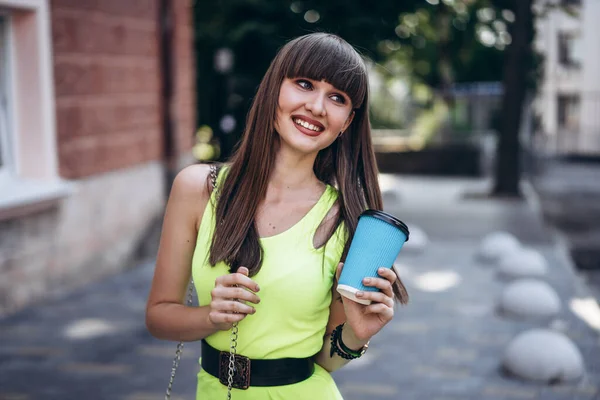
column 307, row 125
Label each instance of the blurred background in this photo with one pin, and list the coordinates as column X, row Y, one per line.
column 103, row 102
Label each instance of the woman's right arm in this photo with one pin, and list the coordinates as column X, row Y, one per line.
column 167, row 316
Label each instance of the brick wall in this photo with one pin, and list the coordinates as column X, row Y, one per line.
column 185, row 88
column 107, row 77
column 108, row 109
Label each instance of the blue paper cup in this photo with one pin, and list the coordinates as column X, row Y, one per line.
column 378, row 239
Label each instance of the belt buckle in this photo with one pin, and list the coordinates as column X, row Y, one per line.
column 241, row 370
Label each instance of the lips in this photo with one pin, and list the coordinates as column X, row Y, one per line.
column 307, row 125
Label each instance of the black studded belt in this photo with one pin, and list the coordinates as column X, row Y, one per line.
column 251, row 372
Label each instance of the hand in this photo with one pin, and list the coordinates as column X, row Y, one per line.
column 365, row 321
column 227, row 305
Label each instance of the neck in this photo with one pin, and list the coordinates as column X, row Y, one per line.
column 292, row 173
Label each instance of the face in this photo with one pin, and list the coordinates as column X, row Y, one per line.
column 311, row 114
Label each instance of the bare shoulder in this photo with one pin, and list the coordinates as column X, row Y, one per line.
column 189, row 194
column 191, row 181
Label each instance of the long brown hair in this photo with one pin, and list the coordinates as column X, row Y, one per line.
column 349, row 163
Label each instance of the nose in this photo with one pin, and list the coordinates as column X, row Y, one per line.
column 316, row 104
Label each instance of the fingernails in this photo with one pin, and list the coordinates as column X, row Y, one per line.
column 381, row 270
column 359, row 294
column 367, row 280
column 257, row 288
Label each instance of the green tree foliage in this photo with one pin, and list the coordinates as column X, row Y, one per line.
column 254, row 30
column 437, row 42
column 444, row 42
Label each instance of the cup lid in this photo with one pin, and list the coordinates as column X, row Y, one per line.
column 390, row 219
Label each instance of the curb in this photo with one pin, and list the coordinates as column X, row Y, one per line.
column 560, row 239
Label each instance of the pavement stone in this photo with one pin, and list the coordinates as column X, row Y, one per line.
column 446, row 344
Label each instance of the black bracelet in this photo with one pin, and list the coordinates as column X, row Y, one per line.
column 344, row 352
column 354, row 353
column 334, row 344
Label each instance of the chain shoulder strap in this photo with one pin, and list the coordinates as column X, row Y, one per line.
column 234, row 329
column 190, row 293
column 179, row 349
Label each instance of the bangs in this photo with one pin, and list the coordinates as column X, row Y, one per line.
column 326, row 57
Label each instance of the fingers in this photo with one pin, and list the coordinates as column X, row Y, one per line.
column 388, row 274
column 233, row 292
column 232, row 306
column 229, row 297
column 384, row 283
column 239, row 278
column 224, row 320
column 225, row 312
column 382, row 309
column 236, row 286
column 377, row 297
column 383, row 300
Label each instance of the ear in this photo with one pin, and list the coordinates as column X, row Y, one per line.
column 348, row 121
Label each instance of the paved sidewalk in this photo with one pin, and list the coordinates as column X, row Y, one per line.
column 445, row 345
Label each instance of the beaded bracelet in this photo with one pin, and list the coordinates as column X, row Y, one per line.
column 344, row 352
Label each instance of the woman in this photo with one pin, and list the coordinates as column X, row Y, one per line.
column 271, row 263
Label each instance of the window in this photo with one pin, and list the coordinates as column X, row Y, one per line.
column 568, row 112
column 569, row 49
column 29, row 178
column 5, row 163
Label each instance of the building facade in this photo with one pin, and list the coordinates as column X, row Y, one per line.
column 568, row 103
column 96, row 97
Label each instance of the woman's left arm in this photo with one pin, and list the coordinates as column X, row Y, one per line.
column 361, row 322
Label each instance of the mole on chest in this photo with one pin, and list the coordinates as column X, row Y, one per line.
column 274, row 223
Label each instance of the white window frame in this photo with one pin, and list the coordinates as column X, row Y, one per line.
column 5, row 144
column 31, row 181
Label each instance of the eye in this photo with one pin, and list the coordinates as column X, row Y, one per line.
column 338, row 98
column 304, row 84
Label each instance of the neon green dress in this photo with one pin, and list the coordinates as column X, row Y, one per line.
column 295, row 292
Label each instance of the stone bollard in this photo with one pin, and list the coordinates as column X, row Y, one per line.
column 496, row 245
column 522, row 263
column 530, row 299
column 543, row 355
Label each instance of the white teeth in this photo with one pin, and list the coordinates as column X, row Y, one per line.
column 307, row 125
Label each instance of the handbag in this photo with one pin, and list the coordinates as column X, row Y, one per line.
column 234, row 328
